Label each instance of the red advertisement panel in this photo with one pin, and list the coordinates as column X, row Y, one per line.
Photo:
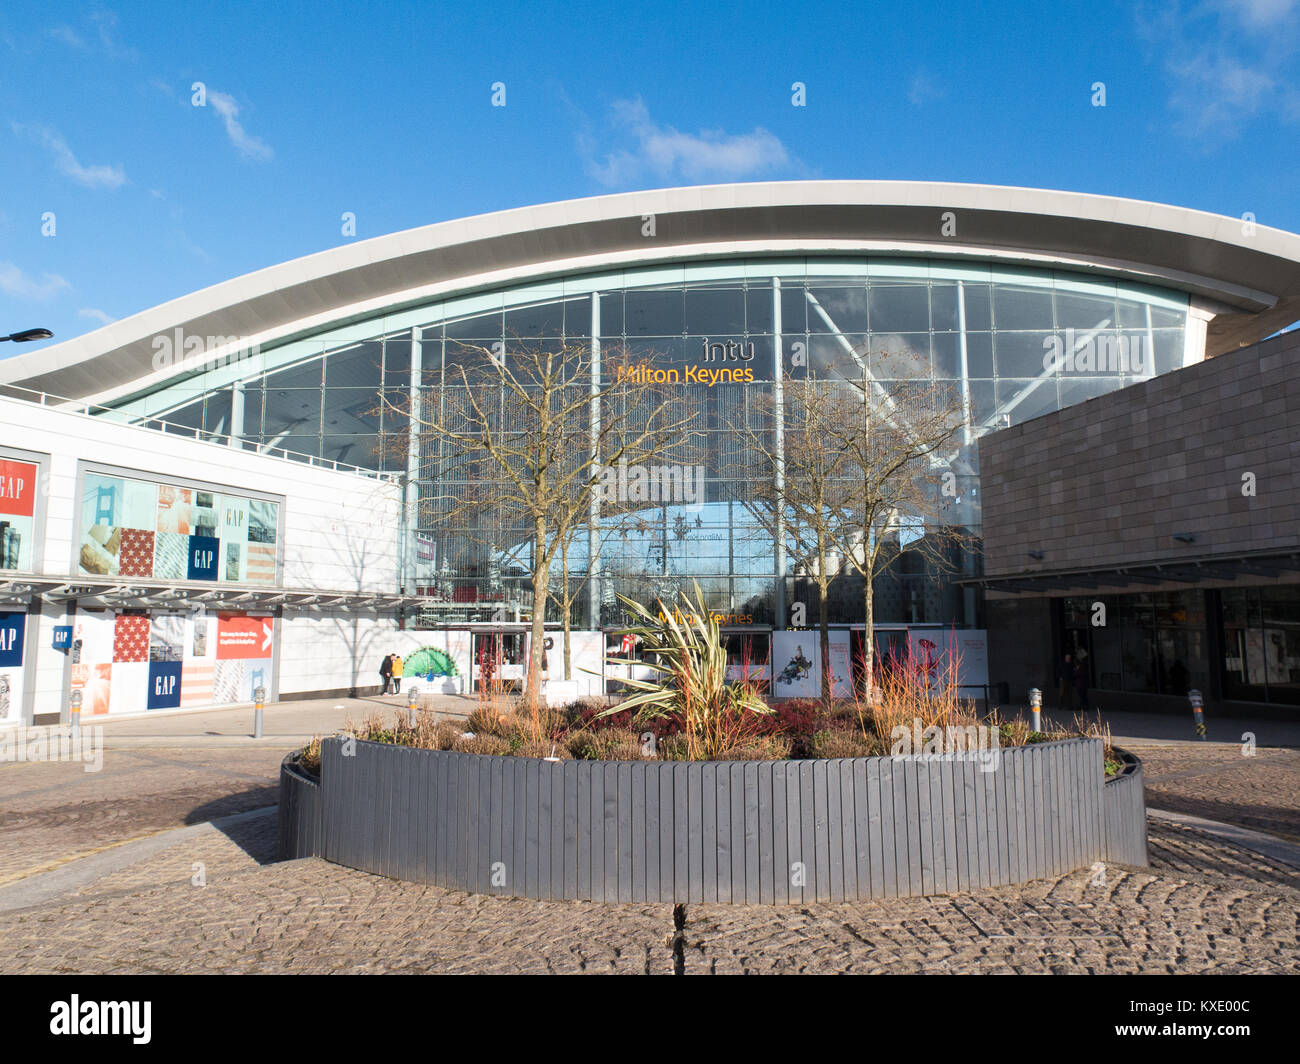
column 243, row 637
column 17, row 488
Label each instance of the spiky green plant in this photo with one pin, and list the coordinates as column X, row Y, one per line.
column 684, row 647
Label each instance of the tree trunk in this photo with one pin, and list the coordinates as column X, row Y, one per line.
column 824, row 629
column 868, row 638
column 537, row 641
column 568, row 605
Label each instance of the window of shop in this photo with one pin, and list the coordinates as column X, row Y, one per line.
column 133, row 527
column 1149, row 643
column 21, row 510
column 1261, row 644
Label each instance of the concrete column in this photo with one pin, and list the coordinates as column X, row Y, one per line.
column 237, row 414
column 410, row 487
column 967, row 429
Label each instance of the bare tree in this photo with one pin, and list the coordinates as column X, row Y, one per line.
column 533, row 429
column 798, row 486
column 856, row 462
column 896, row 431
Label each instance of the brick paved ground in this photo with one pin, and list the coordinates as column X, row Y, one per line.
column 160, row 773
column 1217, row 782
column 1205, row 907
column 52, row 812
column 213, row 902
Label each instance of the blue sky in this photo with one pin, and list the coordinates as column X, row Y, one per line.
column 385, row 110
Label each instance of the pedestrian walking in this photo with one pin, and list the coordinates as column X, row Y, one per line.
column 385, row 674
column 397, row 674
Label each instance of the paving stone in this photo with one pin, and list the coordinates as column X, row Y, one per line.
column 1204, row 905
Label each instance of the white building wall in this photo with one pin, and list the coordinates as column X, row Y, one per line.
column 339, row 533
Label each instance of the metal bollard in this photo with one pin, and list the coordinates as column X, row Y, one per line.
column 259, row 699
column 412, row 704
column 1194, row 697
column 74, row 711
column 1036, row 709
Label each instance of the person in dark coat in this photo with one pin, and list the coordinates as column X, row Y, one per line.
column 386, row 674
column 1065, row 683
column 1081, row 684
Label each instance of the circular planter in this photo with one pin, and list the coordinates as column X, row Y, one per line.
column 1124, row 809
column 715, row 831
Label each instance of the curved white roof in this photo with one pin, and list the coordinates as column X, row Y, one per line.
column 1249, row 275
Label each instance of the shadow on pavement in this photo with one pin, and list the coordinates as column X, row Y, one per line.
column 255, row 835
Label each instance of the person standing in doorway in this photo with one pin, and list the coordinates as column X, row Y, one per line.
column 1081, row 684
column 397, row 674
column 1065, row 683
column 386, row 674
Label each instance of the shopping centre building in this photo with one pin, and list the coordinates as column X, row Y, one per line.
column 239, row 488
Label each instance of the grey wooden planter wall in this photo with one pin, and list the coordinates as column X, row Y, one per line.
column 756, row 832
column 299, row 816
column 1124, row 810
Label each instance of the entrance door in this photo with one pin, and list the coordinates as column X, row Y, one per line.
column 499, row 661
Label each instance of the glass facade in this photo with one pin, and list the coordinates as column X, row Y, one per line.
column 1013, row 343
column 1149, row 643
column 1261, row 644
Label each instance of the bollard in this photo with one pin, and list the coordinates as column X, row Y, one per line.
column 412, row 698
column 1036, row 709
column 259, row 699
column 74, row 711
column 1194, row 697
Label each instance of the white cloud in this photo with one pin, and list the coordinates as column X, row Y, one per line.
column 68, row 36
column 104, row 26
column 106, row 23
column 96, row 315
column 14, row 282
column 667, row 153
column 67, row 163
column 1260, row 14
column 1227, row 62
column 921, row 89
column 228, row 108
column 1215, row 93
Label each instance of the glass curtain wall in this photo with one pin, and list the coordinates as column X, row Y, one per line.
column 1014, row 344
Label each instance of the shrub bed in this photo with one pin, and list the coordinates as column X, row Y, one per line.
column 796, row 729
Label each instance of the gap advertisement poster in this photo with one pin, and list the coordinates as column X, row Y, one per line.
column 13, row 629
column 130, row 662
column 17, row 513
column 139, row 528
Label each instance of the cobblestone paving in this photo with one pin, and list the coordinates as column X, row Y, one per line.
column 214, row 902
column 53, row 811
column 1204, row 907
column 1216, row 782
